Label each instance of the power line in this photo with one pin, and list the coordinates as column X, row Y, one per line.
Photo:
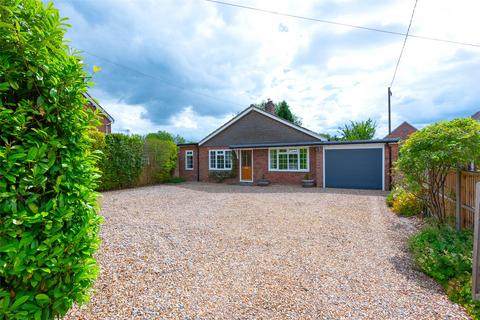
column 404, row 43
column 160, row 79
column 341, row 23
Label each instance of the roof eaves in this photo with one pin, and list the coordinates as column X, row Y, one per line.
column 311, row 143
column 92, row 101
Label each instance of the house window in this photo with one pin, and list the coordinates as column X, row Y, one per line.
column 288, row 159
column 220, row 159
column 189, row 160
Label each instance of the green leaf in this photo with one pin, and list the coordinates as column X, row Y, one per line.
column 42, row 299
column 96, row 69
column 11, row 247
column 19, row 301
column 33, row 207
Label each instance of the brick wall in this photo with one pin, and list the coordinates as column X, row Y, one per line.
column 319, row 166
column 204, row 172
column 394, row 150
column 189, row 175
column 260, row 168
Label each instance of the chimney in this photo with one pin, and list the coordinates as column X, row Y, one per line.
column 270, row 107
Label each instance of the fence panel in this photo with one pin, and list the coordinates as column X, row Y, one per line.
column 468, row 180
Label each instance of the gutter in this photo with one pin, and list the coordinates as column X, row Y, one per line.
column 311, row 143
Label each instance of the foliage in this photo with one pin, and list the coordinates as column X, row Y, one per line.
column 282, row 110
column 48, row 209
column 428, row 155
column 123, row 161
column 403, row 202
column 98, row 146
column 162, row 158
column 362, row 130
column 407, row 204
column 446, row 255
column 164, row 135
column 329, row 137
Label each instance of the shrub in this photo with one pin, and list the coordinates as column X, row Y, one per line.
column 406, row 204
column 446, row 255
column 162, row 157
column 48, row 210
column 123, row 161
column 428, row 155
column 98, row 147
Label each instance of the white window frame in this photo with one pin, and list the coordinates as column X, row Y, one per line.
column 288, row 151
column 216, row 159
column 188, row 153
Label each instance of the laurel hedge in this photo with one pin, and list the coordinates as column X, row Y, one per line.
column 48, row 207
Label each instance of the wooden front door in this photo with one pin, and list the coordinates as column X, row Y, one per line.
column 246, row 166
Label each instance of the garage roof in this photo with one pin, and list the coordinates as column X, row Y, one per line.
column 311, row 143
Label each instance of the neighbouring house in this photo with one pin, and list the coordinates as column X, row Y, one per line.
column 402, row 132
column 105, row 118
column 476, row 116
column 257, row 145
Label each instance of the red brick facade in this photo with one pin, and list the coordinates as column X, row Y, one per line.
column 260, row 166
column 403, row 131
column 106, row 126
column 189, row 175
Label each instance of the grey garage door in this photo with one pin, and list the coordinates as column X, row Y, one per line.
column 354, row 168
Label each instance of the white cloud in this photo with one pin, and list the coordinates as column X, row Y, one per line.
column 335, row 74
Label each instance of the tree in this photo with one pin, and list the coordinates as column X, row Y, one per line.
column 167, row 136
column 428, row 155
column 282, row 110
column 362, row 130
column 49, row 220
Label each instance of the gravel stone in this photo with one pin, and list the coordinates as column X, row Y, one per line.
column 215, row 251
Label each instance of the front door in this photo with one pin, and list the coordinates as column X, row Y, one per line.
column 246, row 168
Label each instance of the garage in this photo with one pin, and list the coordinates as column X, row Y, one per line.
column 354, row 166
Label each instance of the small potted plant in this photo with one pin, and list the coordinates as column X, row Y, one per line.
column 307, row 182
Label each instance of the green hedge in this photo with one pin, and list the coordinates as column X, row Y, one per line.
column 161, row 159
column 48, row 209
column 122, row 161
column 130, row 161
column 446, row 255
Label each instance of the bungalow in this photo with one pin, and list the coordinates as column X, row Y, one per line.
column 256, row 145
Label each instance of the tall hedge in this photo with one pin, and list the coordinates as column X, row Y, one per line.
column 162, row 159
column 123, row 161
column 48, row 210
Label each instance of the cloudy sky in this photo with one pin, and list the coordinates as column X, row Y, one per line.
column 187, row 66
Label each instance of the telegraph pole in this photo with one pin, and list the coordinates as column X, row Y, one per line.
column 389, row 112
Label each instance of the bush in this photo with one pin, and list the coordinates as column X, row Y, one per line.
column 162, row 157
column 48, row 209
column 428, row 155
column 122, row 162
column 406, row 204
column 403, row 202
column 446, row 255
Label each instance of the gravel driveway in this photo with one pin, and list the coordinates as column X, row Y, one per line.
column 210, row 251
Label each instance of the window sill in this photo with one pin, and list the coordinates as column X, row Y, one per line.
column 279, row 170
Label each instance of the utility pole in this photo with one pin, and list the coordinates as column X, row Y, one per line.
column 390, row 182
column 389, row 112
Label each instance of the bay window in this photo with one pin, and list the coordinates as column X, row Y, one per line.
column 220, row 159
column 288, row 159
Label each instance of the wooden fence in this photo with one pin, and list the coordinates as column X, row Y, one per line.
column 461, row 209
